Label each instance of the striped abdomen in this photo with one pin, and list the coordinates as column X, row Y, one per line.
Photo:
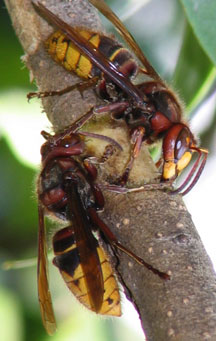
column 68, row 261
column 64, row 52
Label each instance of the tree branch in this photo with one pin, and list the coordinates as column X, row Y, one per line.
column 153, row 224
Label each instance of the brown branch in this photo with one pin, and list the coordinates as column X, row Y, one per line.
column 153, row 224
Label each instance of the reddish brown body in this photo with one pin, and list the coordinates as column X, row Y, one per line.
column 150, row 109
column 67, row 188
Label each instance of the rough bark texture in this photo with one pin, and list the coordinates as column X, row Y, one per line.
column 154, row 224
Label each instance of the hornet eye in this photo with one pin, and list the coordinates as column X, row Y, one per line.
column 182, row 143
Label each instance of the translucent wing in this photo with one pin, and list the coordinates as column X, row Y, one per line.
column 44, row 296
column 110, row 15
column 68, row 262
column 96, row 57
column 87, row 247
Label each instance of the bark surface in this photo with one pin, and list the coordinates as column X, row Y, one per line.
column 153, row 224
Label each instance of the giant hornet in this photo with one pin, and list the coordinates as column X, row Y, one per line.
column 68, row 190
column 150, row 109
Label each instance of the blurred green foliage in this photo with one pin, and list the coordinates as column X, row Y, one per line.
column 18, row 207
column 19, row 311
column 193, row 67
column 202, row 18
column 12, row 70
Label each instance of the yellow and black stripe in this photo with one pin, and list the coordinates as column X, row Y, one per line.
column 64, row 52
column 68, row 262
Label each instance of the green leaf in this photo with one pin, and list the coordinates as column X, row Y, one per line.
column 201, row 15
column 193, row 67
